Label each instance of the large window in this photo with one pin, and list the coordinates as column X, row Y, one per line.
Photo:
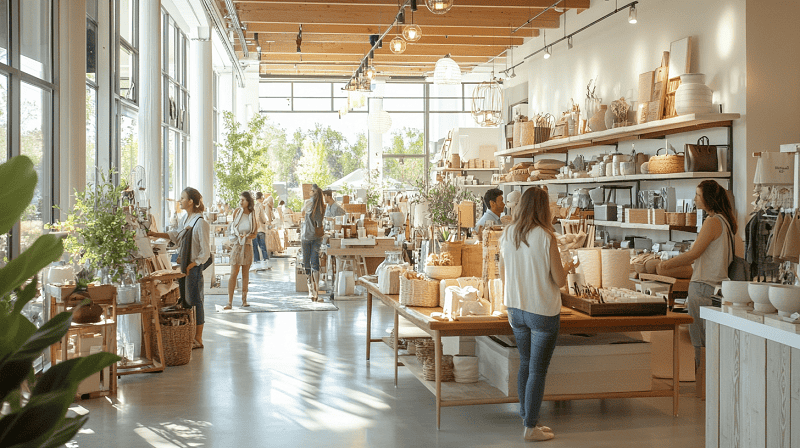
column 3, row 147
column 36, row 142
column 127, row 96
column 91, row 91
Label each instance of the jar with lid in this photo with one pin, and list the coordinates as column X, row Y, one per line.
column 389, row 273
column 128, row 290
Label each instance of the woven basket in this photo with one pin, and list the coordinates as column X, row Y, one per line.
column 666, row 164
column 472, row 260
column 425, row 349
column 429, row 369
column 516, row 133
column 419, row 292
column 443, row 272
column 691, row 219
column 454, row 249
column 171, row 298
column 526, row 133
column 176, row 340
column 541, row 134
column 519, row 175
column 676, row 219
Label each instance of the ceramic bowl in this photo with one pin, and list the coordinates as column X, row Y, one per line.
column 736, row 293
column 759, row 293
column 785, row 298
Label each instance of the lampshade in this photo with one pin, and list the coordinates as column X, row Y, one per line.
column 380, row 121
column 370, row 72
column 447, row 72
column 439, row 6
column 397, row 45
column 487, row 103
column 412, row 32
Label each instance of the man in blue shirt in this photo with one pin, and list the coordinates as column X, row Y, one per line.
column 334, row 209
column 493, row 199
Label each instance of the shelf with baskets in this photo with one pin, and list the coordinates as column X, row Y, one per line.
column 632, row 178
column 633, row 225
column 458, row 170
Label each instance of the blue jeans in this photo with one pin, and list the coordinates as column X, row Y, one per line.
column 260, row 241
column 191, row 289
column 311, row 255
column 536, row 340
column 699, row 295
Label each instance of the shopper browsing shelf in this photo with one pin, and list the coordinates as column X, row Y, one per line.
column 192, row 238
column 243, row 229
column 311, row 238
column 493, row 199
column 531, row 268
column 260, row 241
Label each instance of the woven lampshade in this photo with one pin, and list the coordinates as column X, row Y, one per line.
column 446, row 72
column 439, row 6
column 412, row 32
column 487, row 103
column 380, row 121
column 397, row 45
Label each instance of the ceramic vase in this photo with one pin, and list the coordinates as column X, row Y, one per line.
column 609, row 119
column 598, row 120
column 693, row 96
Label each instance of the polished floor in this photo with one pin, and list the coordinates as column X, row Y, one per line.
column 300, row 379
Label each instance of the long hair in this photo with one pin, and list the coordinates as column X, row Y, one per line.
column 196, row 198
column 716, row 199
column 318, row 203
column 533, row 211
column 249, row 198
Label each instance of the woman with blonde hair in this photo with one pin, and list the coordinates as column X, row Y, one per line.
column 533, row 274
column 243, row 230
column 311, row 238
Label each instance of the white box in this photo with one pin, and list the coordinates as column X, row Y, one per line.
column 580, row 365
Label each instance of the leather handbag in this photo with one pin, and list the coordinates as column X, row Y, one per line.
column 701, row 156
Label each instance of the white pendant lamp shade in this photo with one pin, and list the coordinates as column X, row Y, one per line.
column 380, row 121
column 397, row 45
column 487, row 103
column 439, row 6
column 412, row 32
column 446, row 72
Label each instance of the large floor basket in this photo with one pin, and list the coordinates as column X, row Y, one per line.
column 177, row 337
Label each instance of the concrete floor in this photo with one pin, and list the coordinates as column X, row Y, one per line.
column 301, row 379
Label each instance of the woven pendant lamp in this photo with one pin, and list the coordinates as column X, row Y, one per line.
column 487, row 103
column 446, row 72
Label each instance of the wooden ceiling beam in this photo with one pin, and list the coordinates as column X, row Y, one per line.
column 379, row 59
column 368, row 15
column 520, row 4
column 361, row 49
column 267, row 38
column 366, row 30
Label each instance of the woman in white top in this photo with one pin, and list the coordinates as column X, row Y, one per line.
column 532, row 271
column 243, row 230
column 711, row 254
column 193, row 237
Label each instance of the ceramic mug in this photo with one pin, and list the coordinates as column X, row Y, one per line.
column 627, row 168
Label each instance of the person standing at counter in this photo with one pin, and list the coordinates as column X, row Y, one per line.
column 311, row 238
column 530, row 265
column 493, row 199
column 710, row 255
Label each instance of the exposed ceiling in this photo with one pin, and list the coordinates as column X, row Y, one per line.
column 335, row 33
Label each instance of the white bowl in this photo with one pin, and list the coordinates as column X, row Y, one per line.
column 443, row 272
column 785, row 298
column 759, row 293
column 736, row 293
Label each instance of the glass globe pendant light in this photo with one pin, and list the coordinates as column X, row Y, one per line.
column 412, row 32
column 439, row 6
column 397, row 45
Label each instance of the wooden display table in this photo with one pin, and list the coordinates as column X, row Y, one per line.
column 459, row 394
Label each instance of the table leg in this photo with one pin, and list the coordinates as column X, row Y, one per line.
column 396, row 358
column 369, row 322
column 438, row 368
column 676, row 363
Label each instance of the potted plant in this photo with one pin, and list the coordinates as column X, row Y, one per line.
column 90, row 313
column 98, row 234
column 442, row 198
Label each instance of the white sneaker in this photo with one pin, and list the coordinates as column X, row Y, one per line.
column 537, row 434
column 542, row 427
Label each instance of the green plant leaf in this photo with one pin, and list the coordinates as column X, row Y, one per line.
column 68, row 374
column 37, row 419
column 19, row 183
column 65, row 432
column 25, row 295
column 45, row 250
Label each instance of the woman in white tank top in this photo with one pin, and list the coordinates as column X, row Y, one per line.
column 242, row 230
column 710, row 255
column 532, row 271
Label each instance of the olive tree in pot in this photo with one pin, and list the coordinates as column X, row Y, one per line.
column 33, row 409
column 441, row 199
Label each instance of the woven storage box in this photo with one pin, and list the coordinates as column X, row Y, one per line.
column 666, row 164
column 176, row 339
column 541, row 134
column 455, row 161
column 419, row 292
column 171, row 297
column 429, row 368
column 454, row 249
column 637, row 215
column 472, row 260
column 516, row 133
column 657, row 216
column 425, row 349
column 691, row 219
column 519, row 175
column 526, row 133
column 676, row 219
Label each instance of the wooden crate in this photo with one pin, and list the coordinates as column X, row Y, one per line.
column 472, row 260
column 613, row 309
column 355, row 208
column 657, row 217
column 637, row 215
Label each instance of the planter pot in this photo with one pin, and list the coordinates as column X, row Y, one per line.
column 693, row 96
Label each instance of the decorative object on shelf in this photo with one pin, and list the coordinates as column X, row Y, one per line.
column 693, row 96
column 543, row 127
column 397, row 45
column 620, row 110
column 86, row 314
column 667, row 163
column 609, row 118
column 446, row 72
column 526, row 133
column 380, row 121
column 701, row 157
column 439, row 6
column 487, row 103
column 598, row 120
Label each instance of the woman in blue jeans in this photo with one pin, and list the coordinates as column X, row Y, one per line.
column 533, row 274
column 314, row 211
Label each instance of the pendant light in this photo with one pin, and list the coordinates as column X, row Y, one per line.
column 439, row 6
column 412, row 32
column 397, row 45
column 487, row 103
column 632, row 15
column 446, row 72
column 380, row 121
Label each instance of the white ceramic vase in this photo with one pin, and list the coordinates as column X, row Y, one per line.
column 693, row 96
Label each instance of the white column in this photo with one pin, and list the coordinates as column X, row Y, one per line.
column 72, row 102
column 375, row 141
column 201, row 150
column 150, row 103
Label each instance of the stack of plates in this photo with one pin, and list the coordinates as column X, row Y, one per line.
column 465, row 369
column 429, row 369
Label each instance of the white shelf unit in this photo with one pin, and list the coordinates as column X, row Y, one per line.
column 457, row 170
column 632, row 225
column 633, row 178
column 477, row 187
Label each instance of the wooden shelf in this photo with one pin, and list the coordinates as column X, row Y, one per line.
column 458, row 170
column 479, row 186
column 631, row 225
column 633, row 178
column 654, row 129
column 455, row 394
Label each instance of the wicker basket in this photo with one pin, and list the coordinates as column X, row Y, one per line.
column 419, row 292
column 171, row 297
column 676, row 219
column 443, row 272
column 515, row 134
column 541, row 134
column 519, row 175
column 472, row 260
column 666, row 164
column 454, row 249
column 177, row 340
column 526, row 133
column 691, row 219
column 425, row 349
column 429, row 369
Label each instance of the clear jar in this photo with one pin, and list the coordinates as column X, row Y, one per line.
column 385, row 284
column 392, row 258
